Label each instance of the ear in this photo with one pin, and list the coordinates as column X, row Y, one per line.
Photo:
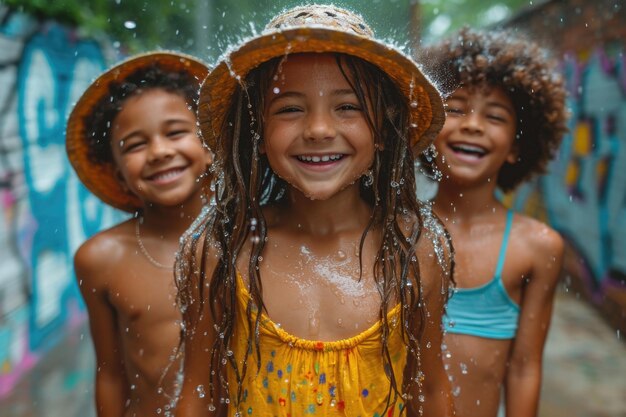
column 120, row 179
column 513, row 154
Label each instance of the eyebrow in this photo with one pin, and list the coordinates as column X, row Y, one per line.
column 178, row 120
column 497, row 104
column 296, row 94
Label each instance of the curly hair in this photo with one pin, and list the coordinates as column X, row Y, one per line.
column 151, row 77
column 481, row 59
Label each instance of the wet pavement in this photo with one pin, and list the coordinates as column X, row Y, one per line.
column 584, row 371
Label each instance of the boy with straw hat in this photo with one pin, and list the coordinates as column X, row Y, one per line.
column 132, row 139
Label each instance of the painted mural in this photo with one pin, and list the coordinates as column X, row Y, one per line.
column 584, row 194
column 46, row 212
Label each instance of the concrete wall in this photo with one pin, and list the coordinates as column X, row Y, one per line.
column 45, row 211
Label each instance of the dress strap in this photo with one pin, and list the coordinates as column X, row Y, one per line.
column 505, row 241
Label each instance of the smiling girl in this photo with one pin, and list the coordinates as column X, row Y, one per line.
column 317, row 285
column 505, row 119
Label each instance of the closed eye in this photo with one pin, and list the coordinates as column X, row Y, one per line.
column 176, row 133
column 497, row 118
column 349, row 107
column 287, row 109
column 132, row 146
column 454, row 110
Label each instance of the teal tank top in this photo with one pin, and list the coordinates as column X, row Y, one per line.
column 486, row 311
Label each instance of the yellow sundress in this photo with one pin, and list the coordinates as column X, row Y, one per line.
column 301, row 377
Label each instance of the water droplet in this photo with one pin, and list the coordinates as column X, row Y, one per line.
column 129, row 24
column 463, row 368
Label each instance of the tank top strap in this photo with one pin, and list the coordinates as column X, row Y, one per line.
column 505, row 241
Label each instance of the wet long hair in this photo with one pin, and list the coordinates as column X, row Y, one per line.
column 247, row 183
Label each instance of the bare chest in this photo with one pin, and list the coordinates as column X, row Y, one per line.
column 319, row 296
column 143, row 298
column 481, row 258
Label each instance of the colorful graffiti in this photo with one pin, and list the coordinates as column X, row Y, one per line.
column 46, row 212
column 584, row 193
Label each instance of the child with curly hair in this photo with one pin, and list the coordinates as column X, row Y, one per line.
column 317, row 284
column 132, row 139
column 506, row 116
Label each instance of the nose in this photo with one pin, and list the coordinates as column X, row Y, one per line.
column 472, row 122
column 320, row 126
column 159, row 149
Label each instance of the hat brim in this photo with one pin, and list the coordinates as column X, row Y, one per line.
column 424, row 101
column 101, row 179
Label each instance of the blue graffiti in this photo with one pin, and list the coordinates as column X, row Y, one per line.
column 585, row 190
column 54, row 71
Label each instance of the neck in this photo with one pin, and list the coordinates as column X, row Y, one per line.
column 171, row 221
column 345, row 211
column 460, row 204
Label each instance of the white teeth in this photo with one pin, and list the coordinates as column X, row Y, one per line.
column 323, row 158
column 167, row 175
column 469, row 149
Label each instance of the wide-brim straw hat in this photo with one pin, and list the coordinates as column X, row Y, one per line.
column 100, row 178
column 321, row 28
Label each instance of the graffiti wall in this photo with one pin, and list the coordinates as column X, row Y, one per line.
column 45, row 211
column 584, row 194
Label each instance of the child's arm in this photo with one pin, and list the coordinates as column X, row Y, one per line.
column 111, row 382
column 523, row 380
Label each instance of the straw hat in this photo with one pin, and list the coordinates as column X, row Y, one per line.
column 100, row 179
column 321, row 28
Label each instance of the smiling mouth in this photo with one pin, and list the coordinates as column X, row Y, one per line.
column 472, row 150
column 320, row 159
column 166, row 175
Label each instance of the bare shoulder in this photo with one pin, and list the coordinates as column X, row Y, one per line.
column 537, row 236
column 433, row 248
column 539, row 247
column 99, row 252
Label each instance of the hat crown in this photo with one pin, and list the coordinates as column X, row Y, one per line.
column 321, row 15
